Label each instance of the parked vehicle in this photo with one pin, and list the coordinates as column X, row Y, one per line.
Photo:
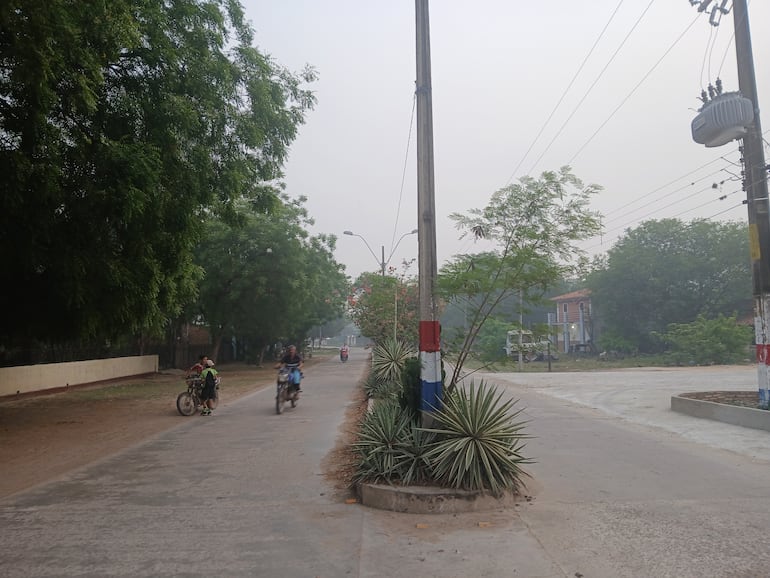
column 188, row 402
column 532, row 348
column 285, row 390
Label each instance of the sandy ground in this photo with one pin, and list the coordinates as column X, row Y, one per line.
column 45, row 436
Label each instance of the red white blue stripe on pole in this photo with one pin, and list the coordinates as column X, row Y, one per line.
column 430, row 373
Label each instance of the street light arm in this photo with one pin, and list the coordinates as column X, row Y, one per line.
column 376, row 258
column 412, row 232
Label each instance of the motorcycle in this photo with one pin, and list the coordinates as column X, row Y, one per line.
column 188, row 402
column 343, row 355
column 286, row 391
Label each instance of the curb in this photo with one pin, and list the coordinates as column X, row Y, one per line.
column 430, row 499
column 726, row 413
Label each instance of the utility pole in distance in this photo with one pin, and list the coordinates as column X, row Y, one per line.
column 430, row 333
column 755, row 185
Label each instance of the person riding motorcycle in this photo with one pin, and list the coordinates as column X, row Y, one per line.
column 294, row 362
column 344, row 351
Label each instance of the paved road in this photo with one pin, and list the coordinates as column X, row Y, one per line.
column 626, row 487
column 242, row 494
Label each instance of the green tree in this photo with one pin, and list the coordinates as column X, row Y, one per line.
column 123, row 125
column 384, row 306
column 669, row 271
column 708, row 341
column 266, row 279
column 532, row 226
column 490, row 343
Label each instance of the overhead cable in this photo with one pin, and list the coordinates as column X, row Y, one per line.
column 590, row 88
column 564, row 94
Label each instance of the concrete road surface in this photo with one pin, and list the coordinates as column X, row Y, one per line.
column 241, row 493
column 626, row 487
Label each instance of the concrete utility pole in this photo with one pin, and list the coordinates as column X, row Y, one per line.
column 755, row 185
column 430, row 332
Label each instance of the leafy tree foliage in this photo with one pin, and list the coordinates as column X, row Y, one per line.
column 708, row 341
column 384, row 305
column 669, row 271
column 123, row 125
column 266, row 279
column 490, row 344
column 532, row 226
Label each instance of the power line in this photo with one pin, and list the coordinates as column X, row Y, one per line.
column 641, row 218
column 666, row 195
column 664, row 186
column 706, row 55
column 703, row 166
column 564, row 94
column 670, row 48
column 590, row 88
column 403, row 174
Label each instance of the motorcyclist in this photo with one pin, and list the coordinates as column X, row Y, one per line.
column 344, row 351
column 292, row 360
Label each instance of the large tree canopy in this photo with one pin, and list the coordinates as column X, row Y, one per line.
column 670, row 271
column 122, row 124
column 266, row 279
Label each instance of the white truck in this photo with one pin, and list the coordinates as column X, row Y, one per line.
column 532, row 349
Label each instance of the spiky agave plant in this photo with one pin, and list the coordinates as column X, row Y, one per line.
column 415, row 464
column 381, row 390
column 389, row 359
column 478, row 442
column 382, row 437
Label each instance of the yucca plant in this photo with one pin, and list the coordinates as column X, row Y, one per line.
column 382, row 437
column 478, row 442
column 381, row 390
column 389, row 359
column 371, row 384
column 415, row 466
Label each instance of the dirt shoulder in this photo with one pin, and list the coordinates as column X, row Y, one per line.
column 45, row 436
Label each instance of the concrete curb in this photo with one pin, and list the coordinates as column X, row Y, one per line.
column 732, row 414
column 430, row 499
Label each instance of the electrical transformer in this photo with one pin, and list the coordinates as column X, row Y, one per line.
column 723, row 119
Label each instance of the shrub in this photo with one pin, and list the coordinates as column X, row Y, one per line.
column 707, row 341
column 478, row 444
column 381, row 390
column 383, row 438
column 389, row 359
column 410, row 386
column 415, row 463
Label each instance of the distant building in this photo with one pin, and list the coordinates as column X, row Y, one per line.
column 572, row 324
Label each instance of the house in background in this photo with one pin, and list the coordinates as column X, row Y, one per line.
column 572, row 324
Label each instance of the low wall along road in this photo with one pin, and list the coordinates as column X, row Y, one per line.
column 54, row 376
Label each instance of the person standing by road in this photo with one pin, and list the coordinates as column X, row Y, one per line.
column 210, row 379
column 200, row 366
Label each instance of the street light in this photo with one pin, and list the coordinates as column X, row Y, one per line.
column 383, row 264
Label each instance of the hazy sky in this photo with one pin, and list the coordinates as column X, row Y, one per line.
column 499, row 70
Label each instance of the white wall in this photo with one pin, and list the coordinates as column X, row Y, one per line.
column 27, row 378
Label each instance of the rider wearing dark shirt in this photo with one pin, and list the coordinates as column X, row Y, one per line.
column 294, row 360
